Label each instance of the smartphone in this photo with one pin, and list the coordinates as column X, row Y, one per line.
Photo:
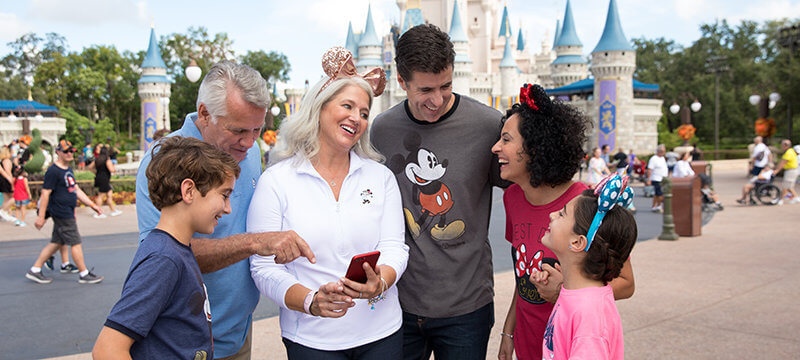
column 356, row 272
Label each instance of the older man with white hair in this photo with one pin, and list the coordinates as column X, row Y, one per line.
column 231, row 108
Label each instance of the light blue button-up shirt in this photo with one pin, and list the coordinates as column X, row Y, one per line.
column 231, row 292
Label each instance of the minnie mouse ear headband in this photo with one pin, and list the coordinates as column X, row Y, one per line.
column 611, row 191
column 337, row 63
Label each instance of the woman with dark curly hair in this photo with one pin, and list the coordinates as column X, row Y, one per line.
column 540, row 150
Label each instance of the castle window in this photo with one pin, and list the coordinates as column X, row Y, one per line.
column 607, row 54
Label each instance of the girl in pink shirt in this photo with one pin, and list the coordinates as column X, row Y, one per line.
column 592, row 236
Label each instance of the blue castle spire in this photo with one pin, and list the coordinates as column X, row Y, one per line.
column 568, row 35
column 413, row 16
column 153, row 58
column 508, row 57
column 351, row 43
column 505, row 25
column 520, row 40
column 457, row 33
column 369, row 38
column 613, row 38
column 558, row 33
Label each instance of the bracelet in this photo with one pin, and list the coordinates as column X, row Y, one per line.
column 380, row 297
column 308, row 300
column 510, row 336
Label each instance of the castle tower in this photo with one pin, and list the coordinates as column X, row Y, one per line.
column 558, row 33
column 463, row 65
column 569, row 65
column 413, row 15
column 508, row 76
column 351, row 44
column 154, row 90
column 369, row 46
column 613, row 64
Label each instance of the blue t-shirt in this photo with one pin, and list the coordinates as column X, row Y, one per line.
column 231, row 291
column 64, row 197
column 164, row 306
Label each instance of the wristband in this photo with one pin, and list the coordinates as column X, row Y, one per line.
column 308, row 300
column 510, row 336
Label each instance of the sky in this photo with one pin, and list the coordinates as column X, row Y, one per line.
column 304, row 29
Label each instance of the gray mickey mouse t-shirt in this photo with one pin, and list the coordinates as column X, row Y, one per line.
column 445, row 171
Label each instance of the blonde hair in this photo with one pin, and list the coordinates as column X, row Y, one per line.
column 5, row 153
column 299, row 134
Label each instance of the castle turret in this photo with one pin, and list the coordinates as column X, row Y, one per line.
column 520, row 41
column 154, row 90
column 558, row 33
column 508, row 76
column 369, row 47
column 413, row 16
column 569, row 65
column 505, row 34
column 351, row 44
column 613, row 64
column 463, row 65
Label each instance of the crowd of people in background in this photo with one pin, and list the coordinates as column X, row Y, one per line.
column 15, row 179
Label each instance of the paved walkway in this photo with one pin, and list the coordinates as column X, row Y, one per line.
column 731, row 293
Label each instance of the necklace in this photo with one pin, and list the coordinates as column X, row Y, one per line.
column 333, row 183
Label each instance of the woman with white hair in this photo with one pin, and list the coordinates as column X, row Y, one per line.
column 327, row 184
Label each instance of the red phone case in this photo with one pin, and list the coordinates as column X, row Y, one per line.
column 355, row 272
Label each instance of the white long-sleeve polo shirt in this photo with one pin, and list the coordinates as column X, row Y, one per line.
column 291, row 195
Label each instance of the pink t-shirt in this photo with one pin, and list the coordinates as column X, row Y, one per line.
column 525, row 226
column 584, row 324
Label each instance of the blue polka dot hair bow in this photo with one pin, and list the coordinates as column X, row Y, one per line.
column 611, row 191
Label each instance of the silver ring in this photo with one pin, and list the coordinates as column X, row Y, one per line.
column 359, row 294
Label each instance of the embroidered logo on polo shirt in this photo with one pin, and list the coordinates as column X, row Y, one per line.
column 366, row 196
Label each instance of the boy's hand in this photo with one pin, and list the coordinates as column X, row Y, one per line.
column 97, row 209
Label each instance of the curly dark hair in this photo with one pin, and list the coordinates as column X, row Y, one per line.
column 423, row 48
column 613, row 241
column 553, row 137
column 177, row 158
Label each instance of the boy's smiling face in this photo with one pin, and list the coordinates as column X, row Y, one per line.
column 206, row 210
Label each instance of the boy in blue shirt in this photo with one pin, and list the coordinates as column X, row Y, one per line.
column 163, row 311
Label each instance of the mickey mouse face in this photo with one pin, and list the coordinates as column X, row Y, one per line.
column 426, row 169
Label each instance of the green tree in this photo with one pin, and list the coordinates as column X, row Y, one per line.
column 178, row 50
column 273, row 66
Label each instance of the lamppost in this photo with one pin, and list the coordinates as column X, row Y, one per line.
column 686, row 116
column 87, row 134
column 165, row 104
column 716, row 65
column 789, row 37
column 193, row 71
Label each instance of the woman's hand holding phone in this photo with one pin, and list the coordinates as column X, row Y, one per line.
column 372, row 288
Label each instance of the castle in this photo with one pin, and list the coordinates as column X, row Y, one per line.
column 491, row 64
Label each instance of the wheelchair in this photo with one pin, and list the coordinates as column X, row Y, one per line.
column 765, row 192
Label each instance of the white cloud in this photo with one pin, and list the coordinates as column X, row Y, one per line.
column 11, row 27
column 86, row 12
column 766, row 11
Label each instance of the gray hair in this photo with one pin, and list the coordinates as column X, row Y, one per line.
column 661, row 147
column 299, row 134
column 214, row 88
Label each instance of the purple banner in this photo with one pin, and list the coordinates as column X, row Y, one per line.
column 150, row 113
column 607, row 120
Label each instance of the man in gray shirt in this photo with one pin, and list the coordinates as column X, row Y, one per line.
column 438, row 145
